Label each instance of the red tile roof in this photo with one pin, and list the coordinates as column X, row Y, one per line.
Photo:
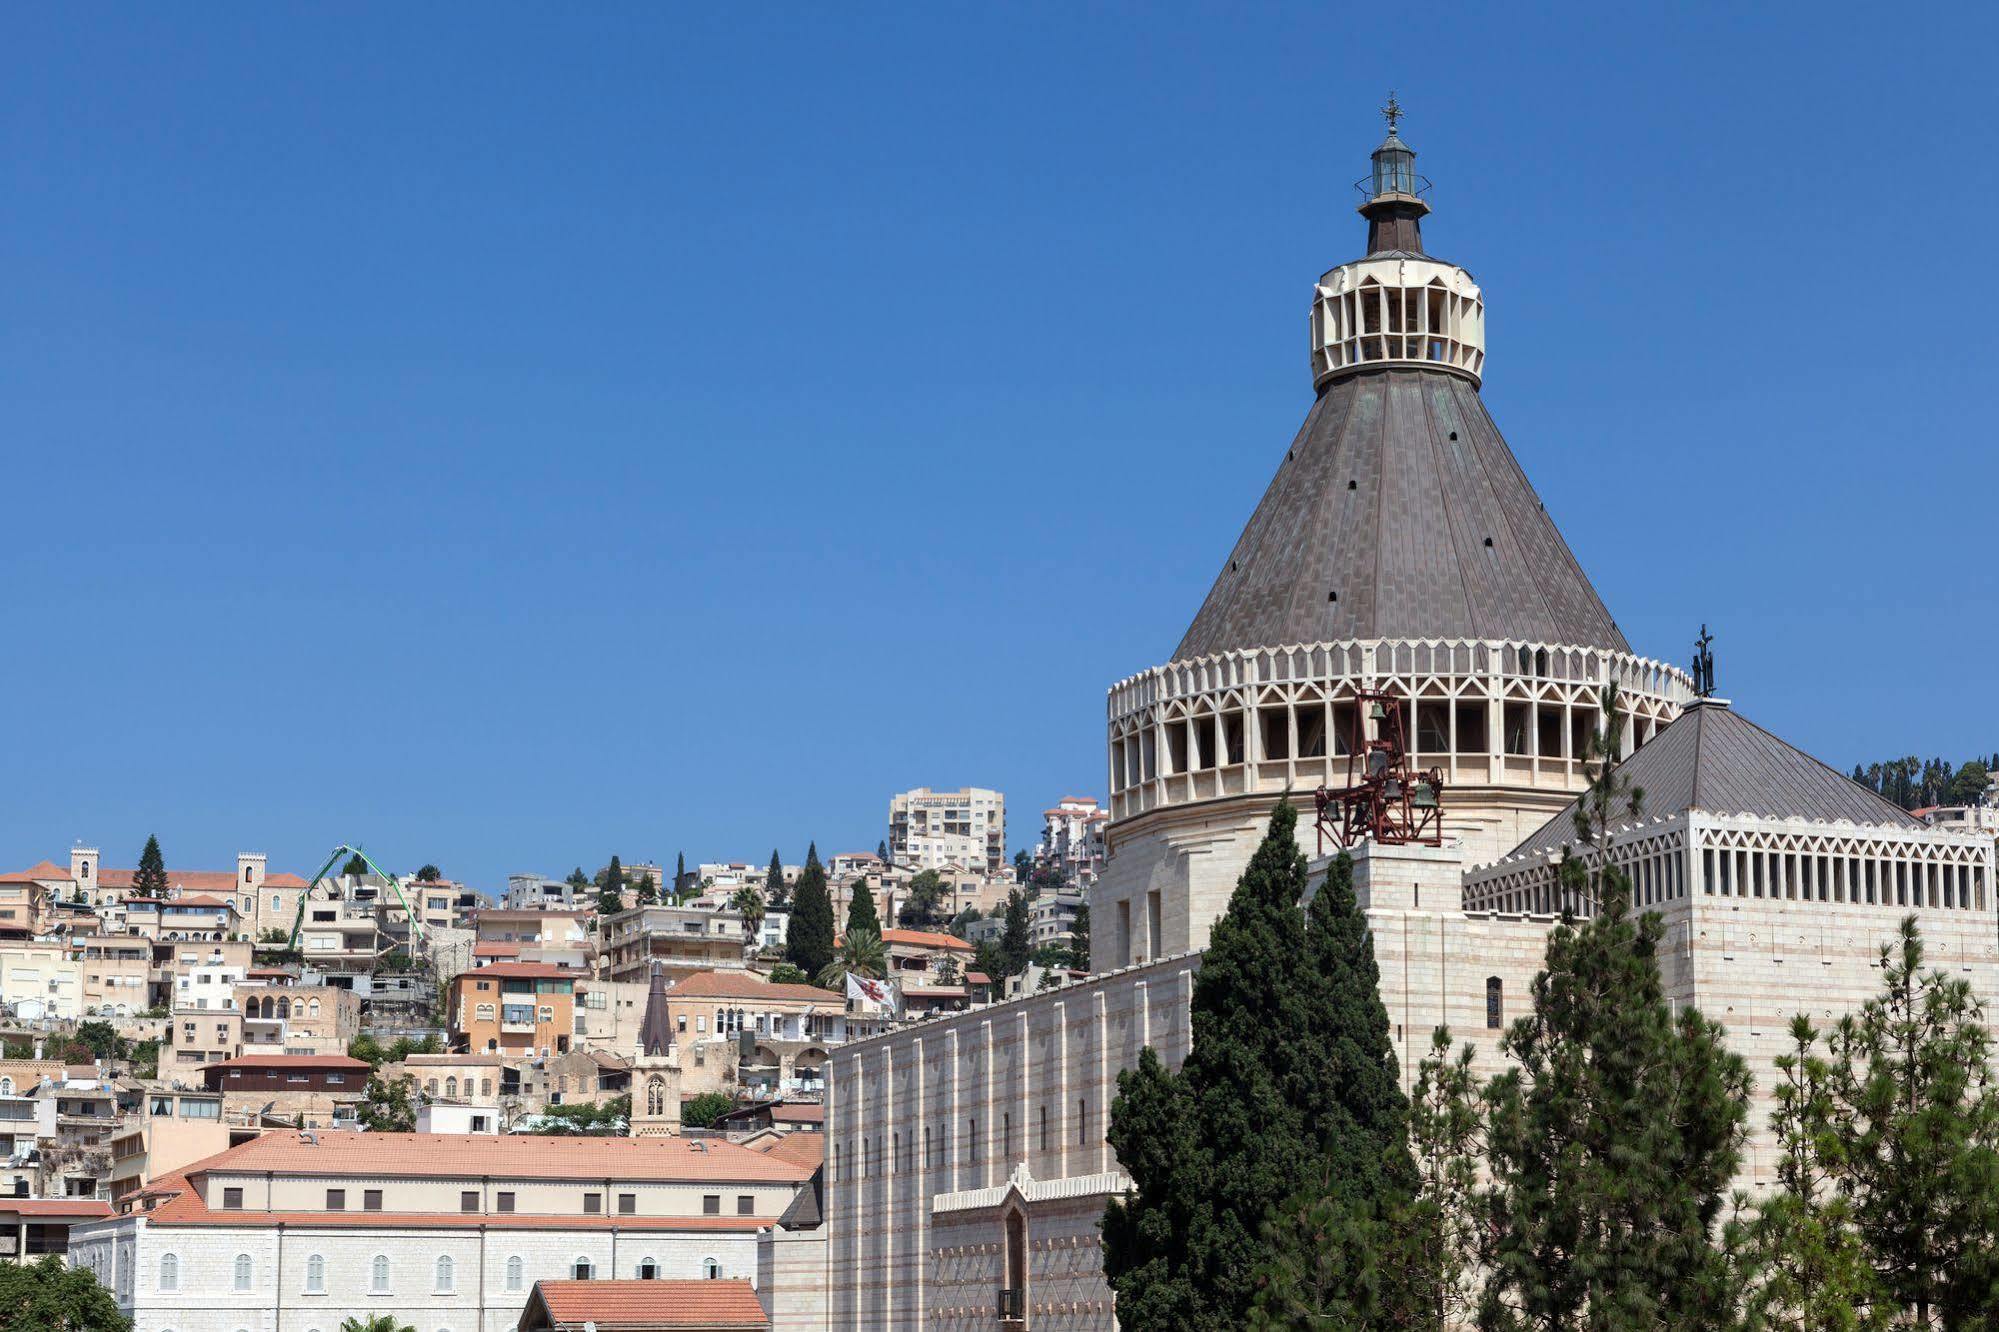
column 730, row 1304
column 494, row 948
column 927, row 939
column 746, row 985
column 526, row 1156
column 798, row 1112
column 977, row 978
column 804, row 1149
column 48, row 869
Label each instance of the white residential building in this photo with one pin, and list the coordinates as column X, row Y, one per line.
column 933, row 829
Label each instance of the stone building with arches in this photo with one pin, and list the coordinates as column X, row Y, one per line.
column 292, row 1232
column 1399, row 576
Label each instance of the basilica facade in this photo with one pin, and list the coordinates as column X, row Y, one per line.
column 1401, row 574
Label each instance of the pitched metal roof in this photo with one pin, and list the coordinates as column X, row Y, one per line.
column 1714, row 759
column 1399, row 512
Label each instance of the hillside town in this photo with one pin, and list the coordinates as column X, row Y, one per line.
column 614, row 1075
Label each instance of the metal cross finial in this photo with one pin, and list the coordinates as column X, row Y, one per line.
column 1392, row 112
column 1704, row 664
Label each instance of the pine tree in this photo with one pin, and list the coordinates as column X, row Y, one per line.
column 1079, row 938
column 151, row 878
column 861, row 914
column 775, row 890
column 648, row 888
column 355, row 868
column 1287, row 1104
column 808, row 943
column 1810, row 1270
column 1915, row 1139
column 881, row 851
column 577, row 878
column 611, row 897
column 1612, row 1144
column 1017, row 942
column 1439, row 1240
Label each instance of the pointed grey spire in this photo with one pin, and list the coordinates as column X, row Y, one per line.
column 656, row 1032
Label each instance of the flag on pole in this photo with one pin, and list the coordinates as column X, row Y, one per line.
column 880, row 993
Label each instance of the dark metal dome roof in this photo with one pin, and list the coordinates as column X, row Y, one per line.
column 1399, row 512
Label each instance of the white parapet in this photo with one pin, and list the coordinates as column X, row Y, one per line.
column 1397, row 311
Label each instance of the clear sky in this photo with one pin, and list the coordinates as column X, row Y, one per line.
column 507, row 436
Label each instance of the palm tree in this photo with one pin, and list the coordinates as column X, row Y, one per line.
column 376, row 1323
column 861, row 953
column 751, row 903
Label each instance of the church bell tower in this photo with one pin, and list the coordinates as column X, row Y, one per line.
column 656, row 1071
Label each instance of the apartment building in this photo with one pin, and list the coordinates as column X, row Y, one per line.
column 298, row 1019
column 1072, row 840
column 933, row 829
column 684, row 939
column 174, row 1127
column 117, row 972
column 40, row 981
column 734, row 1030
column 293, row 1231
column 515, row 1008
column 534, row 892
column 314, row 1090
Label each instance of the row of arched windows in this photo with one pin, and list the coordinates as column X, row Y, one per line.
column 444, row 1273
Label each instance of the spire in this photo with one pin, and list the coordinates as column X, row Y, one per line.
column 1394, row 191
column 656, row 1032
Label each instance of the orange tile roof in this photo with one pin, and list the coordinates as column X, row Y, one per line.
column 730, row 1304
column 48, row 869
column 798, row 1112
column 747, row 985
column 803, row 1149
column 494, row 948
column 526, row 1156
column 82, row 1209
column 927, row 939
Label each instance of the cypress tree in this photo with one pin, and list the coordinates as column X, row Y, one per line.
column 808, row 940
column 1288, row 1101
column 679, row 875
column 775, row 890
column 1016, row 944
column 611, row 897
column 151, row 878
column 861, row 914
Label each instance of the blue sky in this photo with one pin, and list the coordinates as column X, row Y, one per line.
column 506, row 436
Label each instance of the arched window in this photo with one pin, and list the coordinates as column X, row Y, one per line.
column 444, row 1275
column 451, row 1085
column 243, row 1271
column 169, row 1271
column 648, row 1270
column 656, row 1096
column 582, row 1271
column 284, row 1008
column 514, row 1272
column 312, row 1008
column 378, row 1274
column 6, row 1086
column 246, row 874
column 1495, row 1003
column 710, row 1269
column 315, row 1275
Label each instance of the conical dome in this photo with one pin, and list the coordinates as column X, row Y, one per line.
column 1399, row 512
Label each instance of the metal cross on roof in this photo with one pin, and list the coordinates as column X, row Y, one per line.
column 1704, row 664
column 1392, row 112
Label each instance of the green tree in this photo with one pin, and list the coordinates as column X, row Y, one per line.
column 1912, row 1141
column 1612, row 1143
column 679, row 875
column 1969, row 785
column 585, row 1118
column 881, row 851
column 786, row 974
column 649, row 888
column 578, row 879
column 146, row 1058
column 151, row 878
column 964, row 920
column 922, row 899
column 702, row 1111
column 51, row 1296
column 1023, row 865
column 368, row 1049
column 389, row 1105
column 1439, row 1239
column 374, row 1323
column 355, row 867
column 1079, row 938
column 808, row 943
column 1016, row 942
column 1809, row 1268
column 611, row 896
column 861, row 914
column 750, row 903
column 429, row 874
column 1287, row 1106
column 104, row 1042
column 775, row 888
column 860, row 953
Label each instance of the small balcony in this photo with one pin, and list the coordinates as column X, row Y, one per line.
column 1012, row 1308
